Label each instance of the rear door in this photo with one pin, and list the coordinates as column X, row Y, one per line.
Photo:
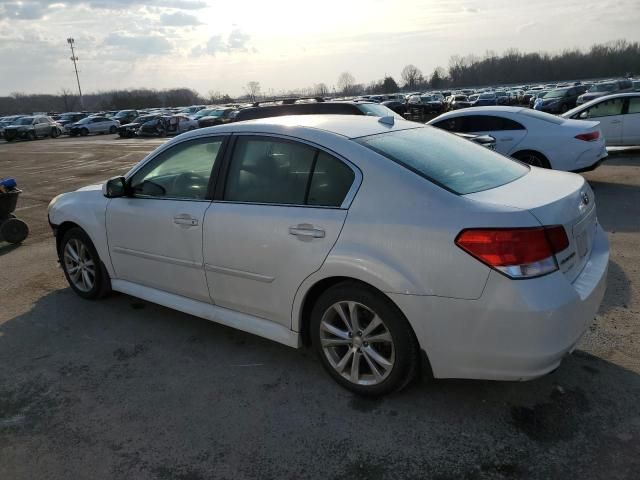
column 273, row 224
column 631, row 122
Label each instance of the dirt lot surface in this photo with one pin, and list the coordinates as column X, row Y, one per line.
column 125, row 389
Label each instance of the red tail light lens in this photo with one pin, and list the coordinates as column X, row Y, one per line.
column 516, row 252
column 588, row 137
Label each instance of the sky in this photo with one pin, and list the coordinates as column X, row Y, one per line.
column 221, row 45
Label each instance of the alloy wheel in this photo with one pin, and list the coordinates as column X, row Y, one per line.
column 357, row 343
column 79, row 265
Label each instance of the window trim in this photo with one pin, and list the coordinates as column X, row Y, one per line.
column 224, row 173
column 213, row 176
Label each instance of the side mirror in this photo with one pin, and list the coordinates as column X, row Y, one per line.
column 584, row 114
column 115, row 187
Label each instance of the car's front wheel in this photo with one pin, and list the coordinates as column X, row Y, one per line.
column 363, row 340
column 82, row 266
column 84, row 132
column 112, row 129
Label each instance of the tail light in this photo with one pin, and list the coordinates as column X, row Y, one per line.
column 588, row 137
column 516, row 252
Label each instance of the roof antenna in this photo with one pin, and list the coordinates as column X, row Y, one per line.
column 387, row 120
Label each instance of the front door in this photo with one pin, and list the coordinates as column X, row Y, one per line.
column 281, row 212
column 631, row 122
column 155, row 234
column 609, row 114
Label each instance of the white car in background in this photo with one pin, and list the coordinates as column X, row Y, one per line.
column 96, row 124
column 534, row 137
column 619, row 117
column 372, row 238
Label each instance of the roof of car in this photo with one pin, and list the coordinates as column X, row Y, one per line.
column 349, row 126
column 482, row 110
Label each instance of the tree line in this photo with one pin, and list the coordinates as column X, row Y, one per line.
column 610, row 59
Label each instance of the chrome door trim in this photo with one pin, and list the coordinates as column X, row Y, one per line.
column 239, row 273
column 159, row 258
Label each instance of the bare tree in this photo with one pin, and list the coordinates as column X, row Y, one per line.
column 411, row 75
column 321, row 90
column 68, row 99
column 253, row 90
column 346, row 83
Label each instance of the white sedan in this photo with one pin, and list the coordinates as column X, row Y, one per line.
column 376, row 240
column 619, row 117
column 534, row 137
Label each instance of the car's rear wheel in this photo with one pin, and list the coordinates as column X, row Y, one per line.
column 534, row 159
column 84, row 132
column 82, row 266
column 31, row 135
column 363, row 340
column 54, row 133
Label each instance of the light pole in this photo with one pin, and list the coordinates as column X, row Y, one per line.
column 74, row 59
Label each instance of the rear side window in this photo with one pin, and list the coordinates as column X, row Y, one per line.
column 453, row 163
column 478, row 123
column 634, row 105
column 605, row 108
column 275, row 171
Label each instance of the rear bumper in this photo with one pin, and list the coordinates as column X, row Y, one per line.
column 517, row 329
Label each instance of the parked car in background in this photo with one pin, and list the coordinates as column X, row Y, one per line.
column 458, row 102
column 485, row 99
column 619, row 117
column 526, row 97
column 31, row 128
column 426, row 103
column 214, row 116
column 191, row 110
column 559, row 100
column 126, row 116
column 336, row 108
column 94, row 125
column 399, row 107
column 167, row 125
column 6, row 121
column 601, row 89
column 534, row 137
column 296, row 244
column 130, row 130
column 67, row 119
column 502, row 98
column 537, row 97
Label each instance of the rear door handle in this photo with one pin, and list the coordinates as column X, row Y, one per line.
column 305, row 230
column 186, row 220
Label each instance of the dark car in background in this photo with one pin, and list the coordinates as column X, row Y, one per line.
column 129, row 130
column 559, row 100
column 397, row 106
column 425, row 103
column 485, row 100
column 67, row 119
column 331, row 108
column 210, row 117
column 598, row 90
column 6, row 121
column 125, row 116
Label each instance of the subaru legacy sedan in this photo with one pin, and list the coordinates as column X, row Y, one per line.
column 383, row 243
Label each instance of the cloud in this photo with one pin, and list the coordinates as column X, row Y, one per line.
column 236, row 41
column 35, row 9
column 179, row 19
column 139, row 44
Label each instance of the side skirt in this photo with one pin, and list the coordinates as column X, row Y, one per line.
column 241, row 321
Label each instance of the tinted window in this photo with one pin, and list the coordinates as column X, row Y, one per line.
column 451, row 162
column 634, row 105
column 181, row 172
column 330, row 183
column 483, row 123
column 606, row 108
column 266, row 170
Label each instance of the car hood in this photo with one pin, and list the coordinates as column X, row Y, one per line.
column 88, row 188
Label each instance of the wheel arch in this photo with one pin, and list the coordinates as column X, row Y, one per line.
column 536, row 152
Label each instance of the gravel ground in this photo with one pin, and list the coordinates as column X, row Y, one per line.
column 122, row 388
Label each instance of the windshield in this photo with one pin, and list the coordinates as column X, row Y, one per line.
column 123, row 113
column 501, row 94
column 602, row 87
column 449, row 161
column 377, row 110
column 487, row 96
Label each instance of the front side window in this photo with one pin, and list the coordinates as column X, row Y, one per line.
column 181, row 172
column 606, row 108
column 275, row 171
column 453, row 163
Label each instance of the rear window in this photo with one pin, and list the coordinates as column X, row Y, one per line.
column 547, row 117
column 453, row 163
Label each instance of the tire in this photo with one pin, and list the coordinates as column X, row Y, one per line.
column 564, row 108
column 90, row 283
column 31, row 135
column 72, row 134
column 395, row 342
column 113, row 129
column 532, row 158
column 84, row 132
column 13, row 230
column 54, row 133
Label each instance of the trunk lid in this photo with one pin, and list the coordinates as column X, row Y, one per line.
column 554, row 198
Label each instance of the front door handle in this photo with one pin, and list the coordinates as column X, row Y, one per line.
column 306, row 230
column 184, row 219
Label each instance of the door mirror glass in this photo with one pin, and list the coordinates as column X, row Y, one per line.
column 115, row 187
